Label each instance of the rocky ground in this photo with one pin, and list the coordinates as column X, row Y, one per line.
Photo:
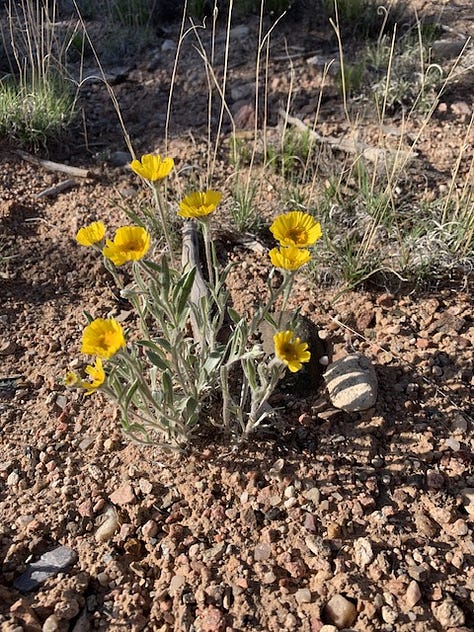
column 330, row 521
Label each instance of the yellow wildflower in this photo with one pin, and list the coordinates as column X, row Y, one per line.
column 296, row 229
column 290, row 258
column 291, row 350
column 91, row 234
column 152, row 167
column 130, row 243
column 103, row 338
column 199, row 204
column 71, row 379
column 97, row 375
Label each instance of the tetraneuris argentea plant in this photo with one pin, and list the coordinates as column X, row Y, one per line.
column 191, row 360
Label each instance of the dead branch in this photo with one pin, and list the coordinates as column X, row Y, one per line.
column 57, row 188
column 54, row 166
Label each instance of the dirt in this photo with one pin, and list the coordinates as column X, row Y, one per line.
column 363, row 521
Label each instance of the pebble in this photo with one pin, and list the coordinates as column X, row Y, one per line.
column 145, row 486
column 340, row 611
column 413, row 594
column 176, row 583
column 13, row 479
column 119, row 158
column 212, row 620
column 67, row 609
column 86, row 443
column 458, row 528
column 425, row 526
column 363, row 553
column 8, row 347
column 49, row 564
column 269, row 578
column 303, row 595
column 82, row 623
column 149, row 529
column 23, row 613
column 434, row 479
column 453, row 444
column 241, row 31
column 459, row 423
column 168, row 45
column 51, row 624
column 310, row 523
column 389, row 614
column 290, row 622
column 352, row 383
column 468, row 500
column 313, row 495
column 123, row 495
column 448, row 614
column 108, row 527
column 262, row 552
column 333, row 531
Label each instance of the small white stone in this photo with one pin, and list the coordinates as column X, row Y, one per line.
column 51, row 624
column 452, row 444
column 303, row 595
column 340, row 611
column 389, row 615
column 108, row 526
column 352, row 383
column 13, row 479
column 363, row 553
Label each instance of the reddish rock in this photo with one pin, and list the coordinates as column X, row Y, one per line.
column 212, row 620
column 385, row 300
column 123, row 495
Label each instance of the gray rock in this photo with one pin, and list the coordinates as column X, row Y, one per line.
column 242, row 91
column 352, row 383
column 82, row 623
column 119, row 158
column 447, row 48
column 49, row 564
column 240, row 31
column 168, row 45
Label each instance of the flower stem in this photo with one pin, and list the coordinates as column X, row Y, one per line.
column 164, row 222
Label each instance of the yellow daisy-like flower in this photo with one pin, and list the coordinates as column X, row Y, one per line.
column 296, row 229
column 97, row 375
column 103, row 338
column 130, row 243
column 199, row 204
column 91, row 234
column 152, row 167
column 290, row 258
column 71, row 379
column 291, row 350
